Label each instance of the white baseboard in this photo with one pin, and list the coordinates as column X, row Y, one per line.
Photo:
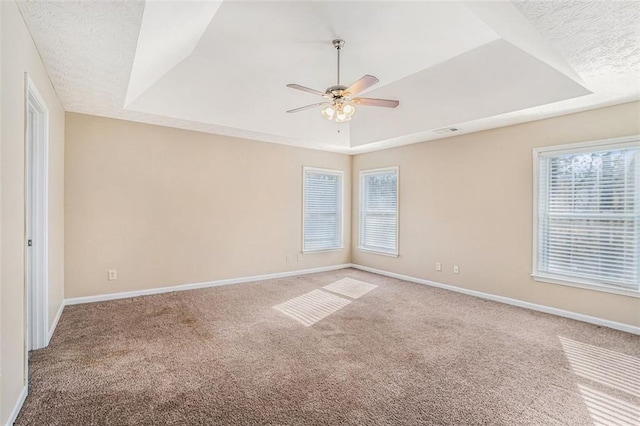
column 128, row 294
column 508, row 301
column 16, row 408
column 55, row 321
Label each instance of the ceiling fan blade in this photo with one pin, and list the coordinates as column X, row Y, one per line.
column 305, row 89
column 387, row 103
column 309, row 106
column 362, row 84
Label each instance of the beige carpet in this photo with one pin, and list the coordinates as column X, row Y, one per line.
column 400, row 354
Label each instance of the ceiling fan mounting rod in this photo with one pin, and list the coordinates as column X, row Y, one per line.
column 338, row 44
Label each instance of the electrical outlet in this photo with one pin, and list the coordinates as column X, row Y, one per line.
column 288, row 258
column 438, row 266
column 113, row 274
column 456, row 269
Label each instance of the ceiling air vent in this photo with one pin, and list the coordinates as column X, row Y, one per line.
column 446, row 130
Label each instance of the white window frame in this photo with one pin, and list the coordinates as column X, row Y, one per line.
column 574, row 148
column 363, row 174
column 335, row 172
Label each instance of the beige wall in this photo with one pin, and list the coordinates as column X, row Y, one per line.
column 19, row 55
column 165, row 206
column 467, row 200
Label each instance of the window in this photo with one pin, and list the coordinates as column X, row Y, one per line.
column 322, row 216
column 587, row 215
column 379, row 211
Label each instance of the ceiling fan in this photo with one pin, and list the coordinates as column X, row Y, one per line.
column 341, row 101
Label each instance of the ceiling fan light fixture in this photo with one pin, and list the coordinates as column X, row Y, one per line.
column 348, row 109
column 341, row 117
column 344, row 112
column 339, row 111
column 329, row 112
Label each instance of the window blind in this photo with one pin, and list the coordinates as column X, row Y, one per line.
column 322, row 228
column 379, row 211
column 589, row 216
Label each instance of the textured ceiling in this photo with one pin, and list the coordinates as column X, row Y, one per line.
column 100, row 38
column 600, row 39
column 89, row 49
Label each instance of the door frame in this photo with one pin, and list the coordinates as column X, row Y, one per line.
column 36, row 218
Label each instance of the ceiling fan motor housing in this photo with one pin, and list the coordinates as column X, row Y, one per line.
column 337, row 91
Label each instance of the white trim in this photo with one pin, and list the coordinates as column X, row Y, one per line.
column 515, row 302
column 136, row 293
column 573, row 282
column 534, row 222
column 378, row 170
column 378, row 252
column 578, row 147
column 37, row 167
column 17, row 407
column 54, row 324
column 361, row 175
column 488, row 296
column 322, row 250
column 336, row 172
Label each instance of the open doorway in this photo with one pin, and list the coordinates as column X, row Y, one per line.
column 37, row 217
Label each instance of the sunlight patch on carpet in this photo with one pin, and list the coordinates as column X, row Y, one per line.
column 311, row 307
column 616, row 371
column 610, row 368
column 350, row 287
column 607, row 410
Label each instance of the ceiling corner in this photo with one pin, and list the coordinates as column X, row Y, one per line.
column 169, row 33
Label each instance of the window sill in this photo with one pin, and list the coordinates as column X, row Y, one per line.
column 322, row 250
column 584, row 285
column 382, row 253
